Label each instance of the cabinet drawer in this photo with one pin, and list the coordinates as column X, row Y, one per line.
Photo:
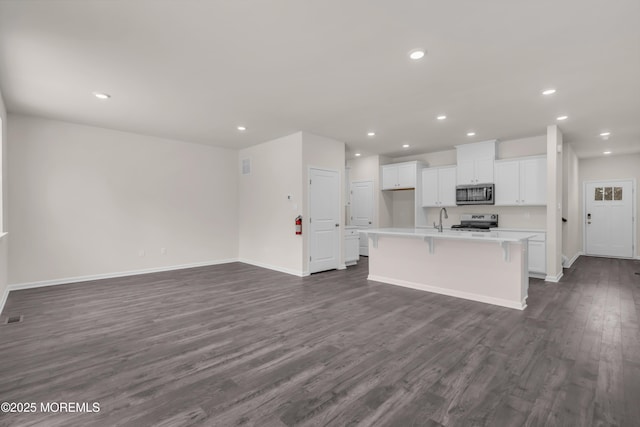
column 351, row 232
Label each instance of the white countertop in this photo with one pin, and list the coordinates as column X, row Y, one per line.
column 491, row 236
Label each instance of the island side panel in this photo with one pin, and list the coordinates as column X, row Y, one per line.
column 473, row 270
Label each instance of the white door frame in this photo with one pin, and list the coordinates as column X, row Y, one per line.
column 341, row 265
column 634, row 213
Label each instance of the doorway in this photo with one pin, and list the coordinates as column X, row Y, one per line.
column 362, row 210
column 324, row 220
column 609, row 228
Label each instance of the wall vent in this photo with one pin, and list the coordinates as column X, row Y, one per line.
column 246, row 166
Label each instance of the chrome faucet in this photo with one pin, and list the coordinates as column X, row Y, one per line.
column 439, row 227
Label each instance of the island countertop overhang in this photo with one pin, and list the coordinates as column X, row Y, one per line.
column 481, row 236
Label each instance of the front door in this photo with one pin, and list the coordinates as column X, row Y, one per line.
column 324, row 220
column 362, row 210
column 608, row 221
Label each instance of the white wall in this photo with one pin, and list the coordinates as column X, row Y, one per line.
column 323, row 153
column 604, row 168
column 266, row 218
column 570, row 203
column 85, row 201
column 4, row 205
column 403, row 208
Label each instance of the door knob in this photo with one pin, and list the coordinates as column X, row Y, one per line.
column 337, row 225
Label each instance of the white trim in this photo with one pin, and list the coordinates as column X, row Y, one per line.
column 3, row 234
column 64, row 281
column 634, row 213
column 450, row 292
column 3, row 298
column 537, row 275
column 274, row 267
column 554, row 279
column 572, row 260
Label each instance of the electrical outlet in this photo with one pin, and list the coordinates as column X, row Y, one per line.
column 163, row 251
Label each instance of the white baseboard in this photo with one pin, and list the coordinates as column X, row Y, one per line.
column 452, row 293
column 572, row 260
column 64, row 281
column 3, row 298
column 274, row 267
column 554, row 279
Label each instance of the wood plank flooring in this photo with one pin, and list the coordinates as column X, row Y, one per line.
column 239, row 345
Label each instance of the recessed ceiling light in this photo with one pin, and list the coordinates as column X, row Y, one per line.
column 606, row 152
column 371, row 134
column 441, row 117
column 471, row 134
column 405, row 146
column 548, row 91
column 241, row 128
column 562, row 117
column 101, row 95
column 605, row 134
column 357, row 154
column 416, row 54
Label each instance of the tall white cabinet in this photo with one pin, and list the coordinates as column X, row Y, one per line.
column 521, row 182
column 439, row 187
column 475, row 163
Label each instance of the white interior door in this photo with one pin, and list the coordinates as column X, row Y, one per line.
column 324, row 220
column 608, row 221
column 362, row 210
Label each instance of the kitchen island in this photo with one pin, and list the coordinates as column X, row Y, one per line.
column 489, row 267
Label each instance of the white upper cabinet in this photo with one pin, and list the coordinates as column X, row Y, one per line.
column 521, row 182
column 439, row 186
column 390, row 177
column 475, row 162
column 399, row 176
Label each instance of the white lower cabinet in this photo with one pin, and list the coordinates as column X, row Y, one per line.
column 538, row 255
column 351, row 246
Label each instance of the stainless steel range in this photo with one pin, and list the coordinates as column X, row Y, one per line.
column 476, row 222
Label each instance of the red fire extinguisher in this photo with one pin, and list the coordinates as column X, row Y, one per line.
column 299, row 224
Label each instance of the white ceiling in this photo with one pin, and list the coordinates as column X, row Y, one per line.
column 195, row 70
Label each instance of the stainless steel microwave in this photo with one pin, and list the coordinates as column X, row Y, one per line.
column 478, row 194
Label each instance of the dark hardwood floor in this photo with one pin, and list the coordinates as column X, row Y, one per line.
column 239, row 345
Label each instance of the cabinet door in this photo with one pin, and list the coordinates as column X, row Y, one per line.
column 484, row 170
column 465, row 172
column 407, row 176
column 389, row 177
column 537, row 257
column 447, row 186
column 430, row 187
column 364, row 244
column 352, row 249
column 507, row 183
column 533, row 181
